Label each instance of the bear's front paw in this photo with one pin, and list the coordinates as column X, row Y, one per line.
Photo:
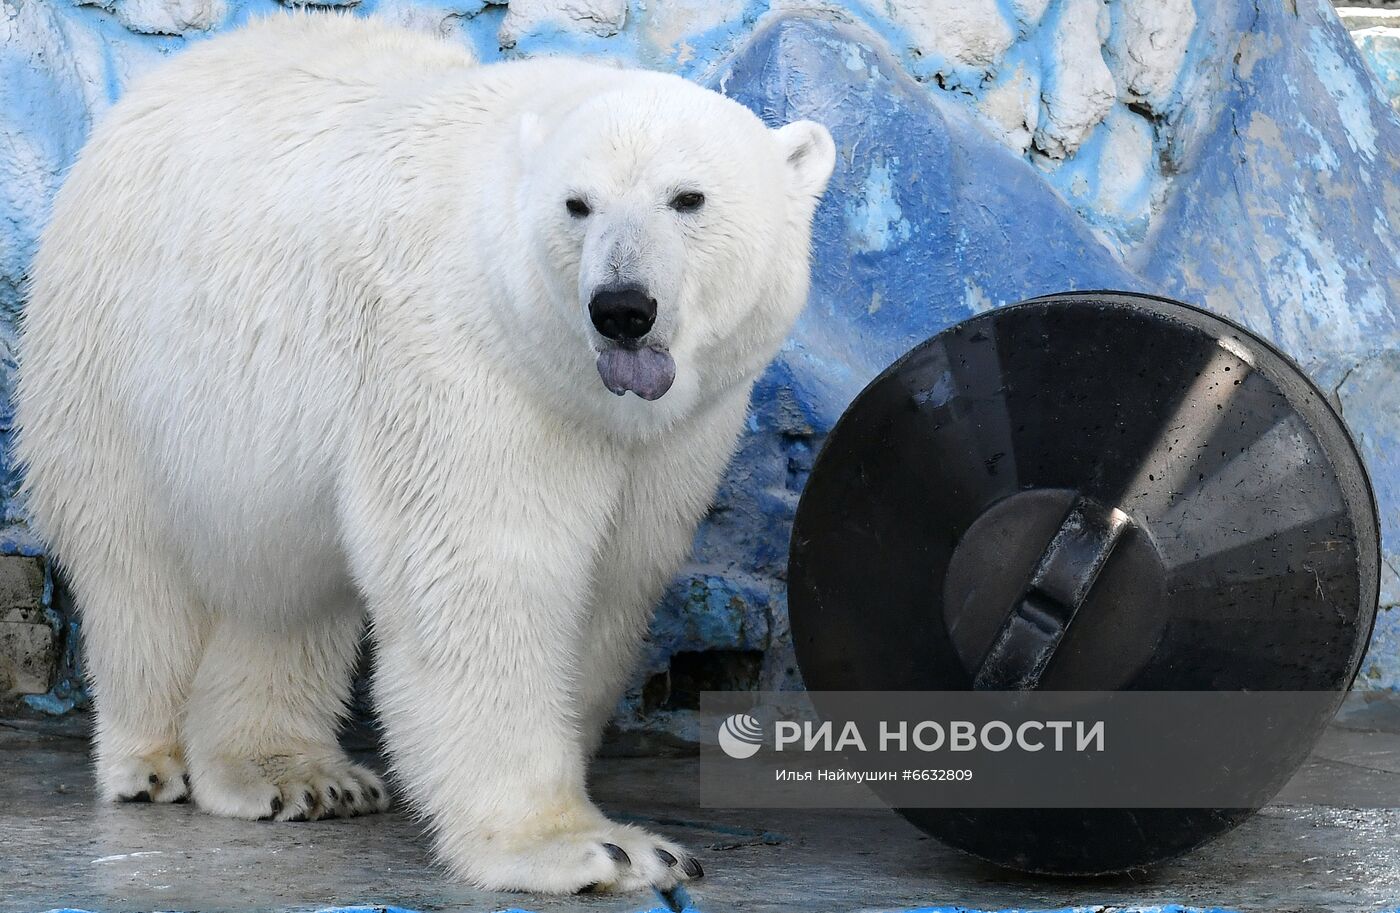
column 292, row 786
column 608, row 857
column 156, row 776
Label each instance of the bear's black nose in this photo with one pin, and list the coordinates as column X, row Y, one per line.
column 623, row 312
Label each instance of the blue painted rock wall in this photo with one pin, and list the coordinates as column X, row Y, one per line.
column 1380, row 47
column 1234, row 154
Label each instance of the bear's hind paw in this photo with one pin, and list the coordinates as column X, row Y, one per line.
column 290, row 787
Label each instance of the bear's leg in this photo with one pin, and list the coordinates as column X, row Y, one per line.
column 267, row 703
column 482, row 728
column 476, row 625
column 474, row 522
column 142, row 634
column 619, row 614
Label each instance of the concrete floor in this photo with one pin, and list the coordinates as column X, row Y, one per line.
column 62, row 849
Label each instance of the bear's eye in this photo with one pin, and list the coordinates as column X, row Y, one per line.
column 576, row 207
column 687, row 201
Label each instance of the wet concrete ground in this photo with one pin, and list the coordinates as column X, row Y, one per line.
column 1320, row 849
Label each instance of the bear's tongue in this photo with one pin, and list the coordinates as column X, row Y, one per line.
column 646, row 372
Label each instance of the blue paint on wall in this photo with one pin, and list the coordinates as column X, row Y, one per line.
column 1381, row 48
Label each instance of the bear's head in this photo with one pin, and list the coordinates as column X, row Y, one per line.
column 672, row 230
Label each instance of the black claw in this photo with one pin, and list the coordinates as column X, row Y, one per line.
column 588, row 888
column 276, row 804
column 692, row 867
column 181, row 801
column 186, row 779
column 308, row 799
column 331, row 791
column 142, row 796
column 665, row 857
column 617, row 854
column 374, row 791
column 153, row 779
column 349, row 798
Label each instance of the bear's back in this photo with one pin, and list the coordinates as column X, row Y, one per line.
column 282, row 50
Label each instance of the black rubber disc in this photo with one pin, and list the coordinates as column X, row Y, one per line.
column 1242, row 540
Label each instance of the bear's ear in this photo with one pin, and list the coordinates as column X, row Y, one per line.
column 531, row 134
column 809, row 153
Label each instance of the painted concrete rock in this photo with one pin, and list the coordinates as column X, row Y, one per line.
column 1233, row 154
column 1380, row 45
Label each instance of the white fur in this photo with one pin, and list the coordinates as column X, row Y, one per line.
column 308, row 335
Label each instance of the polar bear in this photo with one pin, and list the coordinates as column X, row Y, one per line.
column 329, row 323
